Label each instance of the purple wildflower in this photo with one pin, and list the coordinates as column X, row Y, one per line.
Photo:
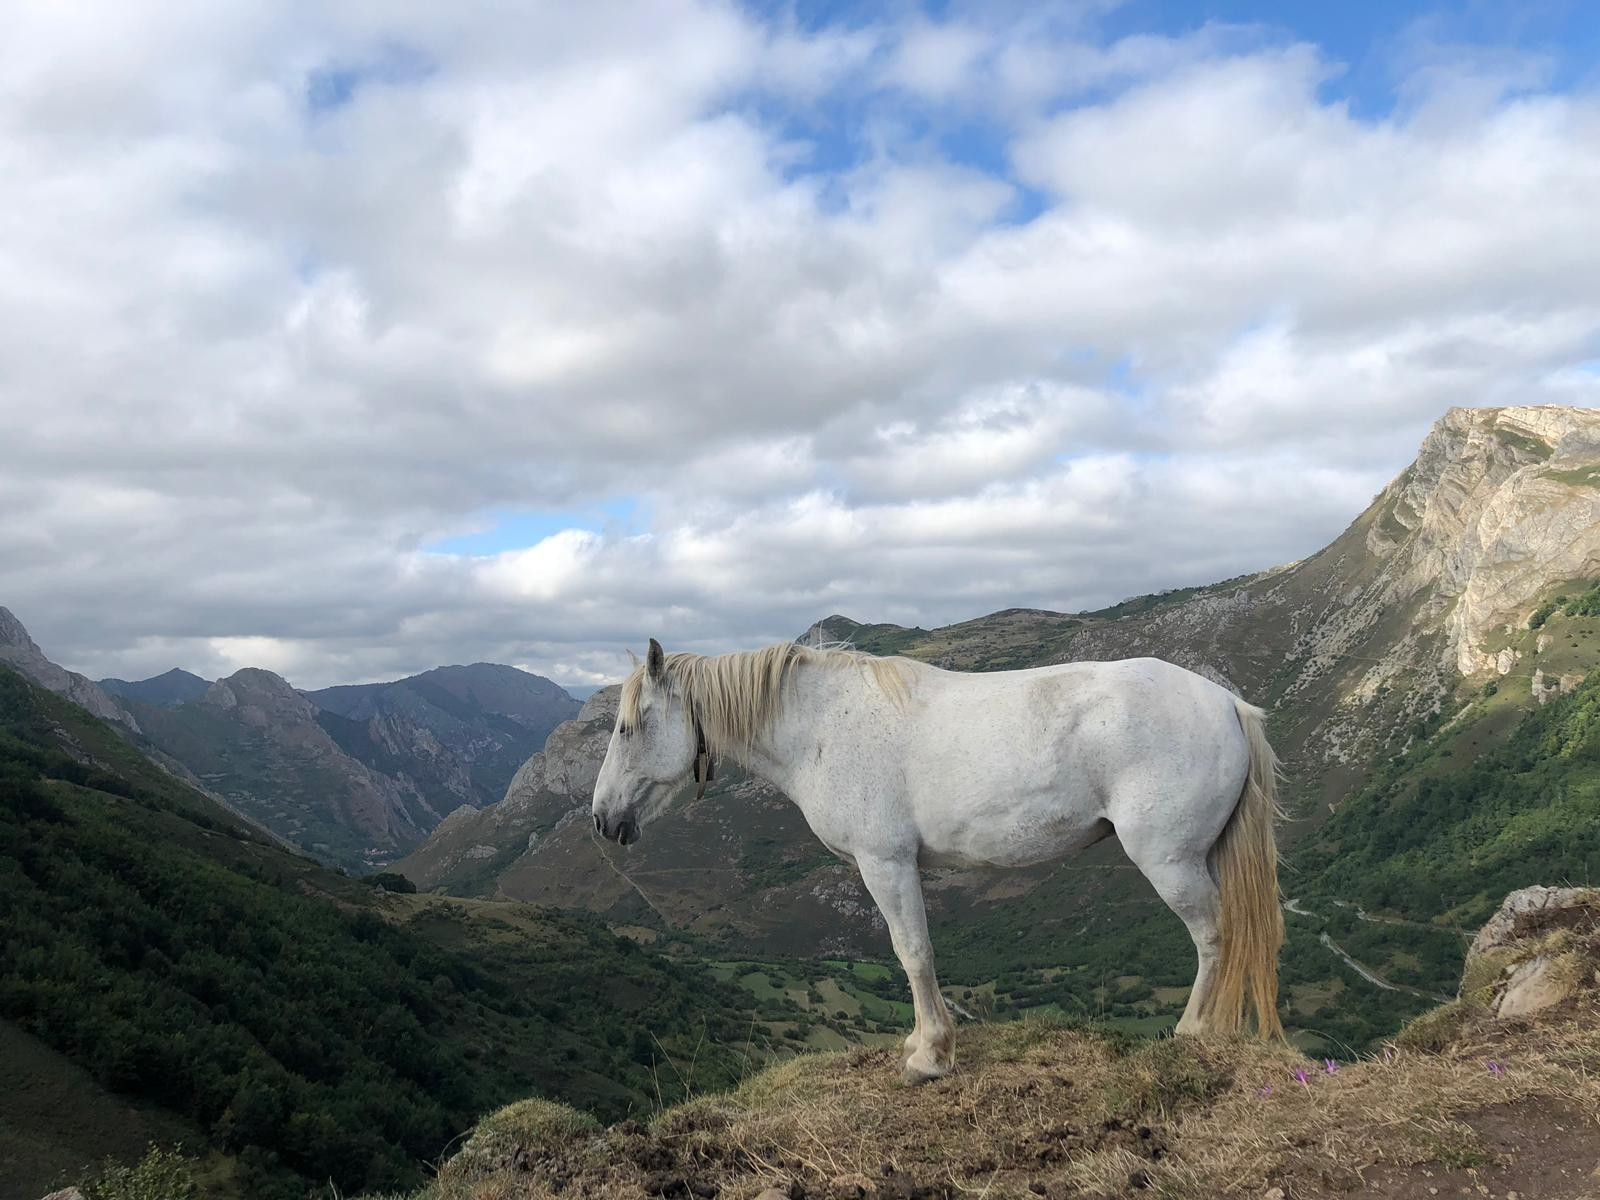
column 1495, row 1067
column 1329, row 1067
column 1265, row 1092
column 1300, row 1076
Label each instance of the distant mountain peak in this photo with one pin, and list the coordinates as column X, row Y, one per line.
column 1499, row 504
column 832, row 629
column 257, row 687
column 12, row 632
column 175, row 686
column 19, row 650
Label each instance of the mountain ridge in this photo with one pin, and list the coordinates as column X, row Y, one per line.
column 175, row 686
column 355, row 774
column 18, row 649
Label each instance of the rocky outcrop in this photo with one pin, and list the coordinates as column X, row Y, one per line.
column 1500, row 504
column 19, row 651
column 572, row 754
column 1539, row 951
column 260, row 698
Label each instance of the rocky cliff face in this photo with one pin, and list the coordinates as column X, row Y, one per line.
column 18, row 650
column 1356, row 649
column 544, row 792
column 1500, row 504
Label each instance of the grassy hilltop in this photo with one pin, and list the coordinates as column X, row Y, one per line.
column 1044, row 1108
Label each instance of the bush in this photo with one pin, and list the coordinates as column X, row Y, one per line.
column 1544, row 612
column 159, row 1175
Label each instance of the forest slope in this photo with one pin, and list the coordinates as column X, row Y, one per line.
column 308, row 1027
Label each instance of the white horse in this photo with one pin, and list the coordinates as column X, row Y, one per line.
column 896, row 765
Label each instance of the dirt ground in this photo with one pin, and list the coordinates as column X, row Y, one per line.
column 1534, row 1149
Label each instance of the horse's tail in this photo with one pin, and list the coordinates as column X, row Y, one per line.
column 1246, row 860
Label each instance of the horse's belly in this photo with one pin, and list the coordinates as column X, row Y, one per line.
column 1023, row 840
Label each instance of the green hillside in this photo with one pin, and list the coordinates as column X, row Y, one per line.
column 310, row 1028
column 1405, row 870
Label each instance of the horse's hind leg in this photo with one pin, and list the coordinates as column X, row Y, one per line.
column 1189, row 890
column 897, row 889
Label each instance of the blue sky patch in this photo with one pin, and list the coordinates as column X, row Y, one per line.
column 517, row 529
column 334, row 85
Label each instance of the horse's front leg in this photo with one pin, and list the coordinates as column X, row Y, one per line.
column 897, row 888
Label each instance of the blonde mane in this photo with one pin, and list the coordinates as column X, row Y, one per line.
column 736, row 696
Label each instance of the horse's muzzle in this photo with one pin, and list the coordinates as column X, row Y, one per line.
column 624, row 831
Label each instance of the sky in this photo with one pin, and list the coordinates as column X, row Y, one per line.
column 350, row 339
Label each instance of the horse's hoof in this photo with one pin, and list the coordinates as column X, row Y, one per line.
column 915, row 1074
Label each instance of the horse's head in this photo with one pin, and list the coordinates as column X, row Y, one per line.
column 653, row 749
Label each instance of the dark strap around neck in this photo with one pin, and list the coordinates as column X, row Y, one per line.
column 705, row 767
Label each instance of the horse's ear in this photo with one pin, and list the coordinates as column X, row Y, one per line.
column 656, row 662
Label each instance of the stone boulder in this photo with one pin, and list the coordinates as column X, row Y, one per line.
column 1539, row 951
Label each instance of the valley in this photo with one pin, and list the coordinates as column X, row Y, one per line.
column 353, row 775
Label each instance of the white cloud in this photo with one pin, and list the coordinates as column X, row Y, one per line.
column 258, row 351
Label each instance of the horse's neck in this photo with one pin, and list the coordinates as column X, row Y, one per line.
column 785, row 753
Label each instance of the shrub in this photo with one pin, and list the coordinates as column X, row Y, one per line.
column 159, row 1175
column 1544, row 612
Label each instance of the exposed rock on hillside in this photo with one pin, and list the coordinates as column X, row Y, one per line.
column 1541, row 950
column 18, row 650
column 547, row 788
column 571, row 757
column 1500, row 504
